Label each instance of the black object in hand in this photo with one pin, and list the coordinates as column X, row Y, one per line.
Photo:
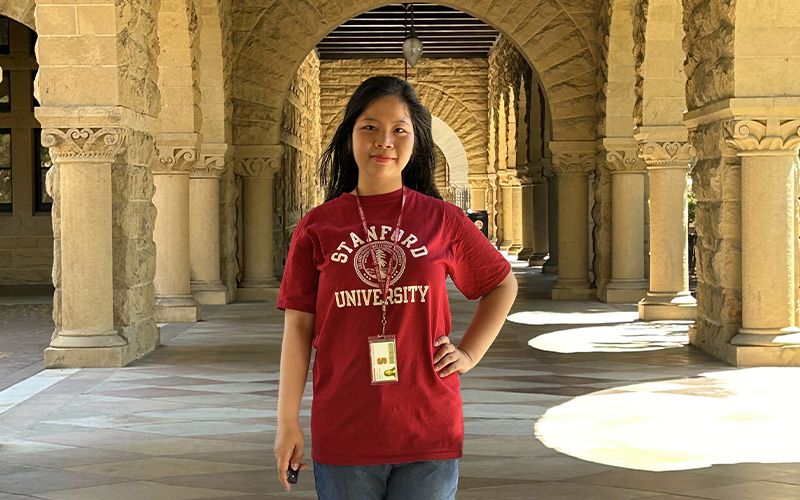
column 291, row 475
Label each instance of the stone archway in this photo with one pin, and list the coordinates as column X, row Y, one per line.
column 22, row 11
column 561, row 45
column 453, row 149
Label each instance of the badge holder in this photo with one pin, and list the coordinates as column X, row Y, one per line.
column 383, row 354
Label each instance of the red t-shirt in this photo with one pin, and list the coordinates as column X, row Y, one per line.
column 329, row 272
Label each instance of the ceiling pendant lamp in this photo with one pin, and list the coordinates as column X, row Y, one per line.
column 412, row 46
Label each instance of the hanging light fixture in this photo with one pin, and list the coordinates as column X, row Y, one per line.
column 412, row 46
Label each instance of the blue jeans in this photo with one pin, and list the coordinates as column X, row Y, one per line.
column 429, row 480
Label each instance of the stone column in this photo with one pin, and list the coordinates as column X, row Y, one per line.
column 206, row 286
column 572, row 164
column 551, row 265
column 527, row 217
column 257, row 166
column 627, row 223
column 177, row 155
column 507, row 196
column 87, row 336
column 540, row 230
column 668, row 297
column 768, row 148
column 516, row 217
column 491, row 207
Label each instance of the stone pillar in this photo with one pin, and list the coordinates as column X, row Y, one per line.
column 177, row 155
column 257, row 166
column 491, row 207
column 573, row 162
column 87, row 336
column 768, row 148
column 551, row 266
column 206, row 286
column 540, row 227
column 526, row 189
column 667, row 162
column 627, row 223
column 507, row 196
column 478, row 191
column 516, row 217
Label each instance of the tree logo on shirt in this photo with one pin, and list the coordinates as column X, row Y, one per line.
column 365, row 267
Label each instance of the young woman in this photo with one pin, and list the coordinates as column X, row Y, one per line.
column 365, row 286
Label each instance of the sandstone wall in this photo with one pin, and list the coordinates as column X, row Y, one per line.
column 296, row 183
column 454, row 90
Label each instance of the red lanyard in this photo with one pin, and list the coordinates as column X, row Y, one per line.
column 396, row 237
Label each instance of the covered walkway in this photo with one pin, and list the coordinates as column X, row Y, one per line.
column 649, row 418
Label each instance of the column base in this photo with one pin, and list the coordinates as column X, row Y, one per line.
column 657, row 306
column 621, row 291
column 87, row 339
column 525, row 254
column 267, row 289
column 97, row 357
column 176, row 309
column 550, row 267
column 537, row 259
column 209, row 292
column 515, row 250
column 572, row 289
column 751, row 356
column 505, row 245
column 767, row 337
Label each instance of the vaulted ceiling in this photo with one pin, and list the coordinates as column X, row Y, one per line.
column 380, row 33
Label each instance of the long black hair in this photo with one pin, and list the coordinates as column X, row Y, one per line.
column 338, row 171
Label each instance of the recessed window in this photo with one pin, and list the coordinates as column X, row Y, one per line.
column 4, row 38
column 43, row 163
column 5, row 92
column 5, row 170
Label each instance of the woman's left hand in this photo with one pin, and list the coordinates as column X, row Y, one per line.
column 449, row 358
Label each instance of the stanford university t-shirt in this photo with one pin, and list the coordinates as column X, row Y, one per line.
column 330, row 272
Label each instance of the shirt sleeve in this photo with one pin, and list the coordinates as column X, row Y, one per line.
column 475, row 265
column 301, row 276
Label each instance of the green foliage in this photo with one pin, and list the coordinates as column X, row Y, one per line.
column 692, row 207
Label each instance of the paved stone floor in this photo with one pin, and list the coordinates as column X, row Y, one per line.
column 632, row 410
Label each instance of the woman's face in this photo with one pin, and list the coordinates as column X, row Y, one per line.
column 383, row 140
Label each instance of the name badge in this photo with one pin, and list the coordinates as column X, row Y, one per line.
column 383, row 354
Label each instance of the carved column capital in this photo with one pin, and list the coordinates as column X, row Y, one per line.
column 256, row 167
column 211, row 163
column 85, row 144
column 573, row 162
column 478, row 182
column 175, row 153
column 764, row 136
column 623, row 161
column 257, row 161
column 667, row 153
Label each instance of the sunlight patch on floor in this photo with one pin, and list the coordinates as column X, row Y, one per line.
column 629, row 337
column 587, row 317
column 730, row 417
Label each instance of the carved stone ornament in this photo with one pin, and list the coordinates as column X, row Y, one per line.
column 256, row 167
column 507, row 180
column 479, row 183
column 172, row 158
column 86, row 143
column 771, row 134
column 573, row 162
column 667, row 153
column 210, row 165
column 625, row 160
